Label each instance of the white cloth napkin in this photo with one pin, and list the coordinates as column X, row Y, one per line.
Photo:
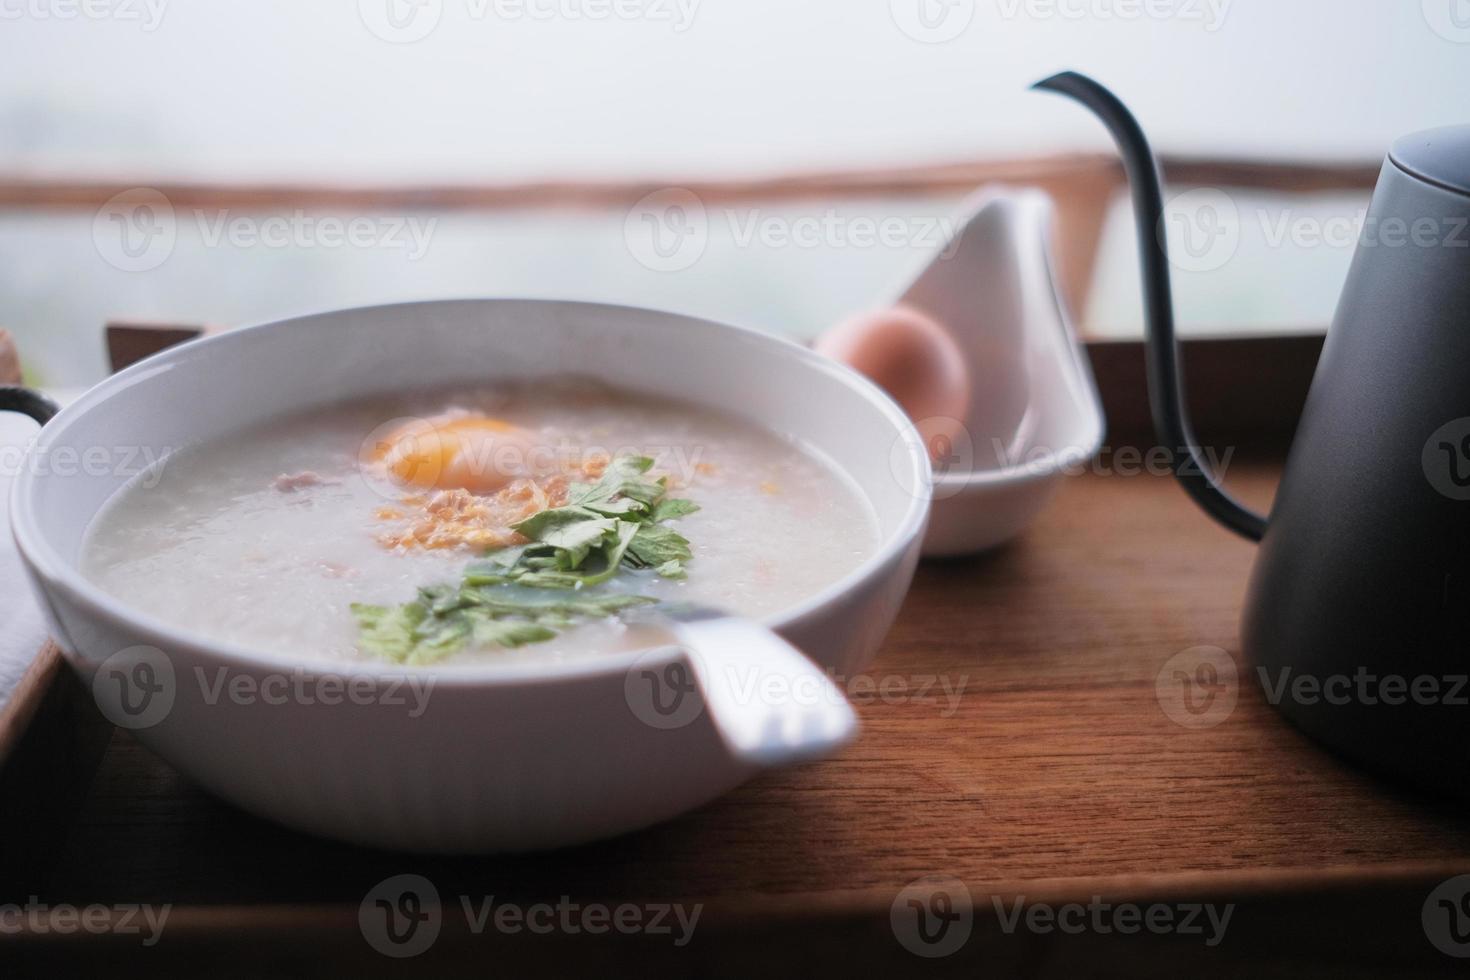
column 22, row 630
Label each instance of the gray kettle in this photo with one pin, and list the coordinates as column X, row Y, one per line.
column 1357, row 620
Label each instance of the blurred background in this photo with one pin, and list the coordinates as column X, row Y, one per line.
column 759, row 161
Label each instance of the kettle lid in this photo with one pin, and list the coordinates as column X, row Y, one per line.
column 1438, row 156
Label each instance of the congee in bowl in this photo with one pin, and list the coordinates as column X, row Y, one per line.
column 432, row 496
column 513, row 521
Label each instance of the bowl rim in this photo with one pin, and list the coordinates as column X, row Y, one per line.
column 52, row 572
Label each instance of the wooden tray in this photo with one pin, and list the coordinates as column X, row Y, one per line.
column 1054, row 778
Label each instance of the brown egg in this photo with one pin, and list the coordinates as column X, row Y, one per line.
column 912, row 357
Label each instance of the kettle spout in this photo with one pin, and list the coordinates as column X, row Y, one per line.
column 1165, row 376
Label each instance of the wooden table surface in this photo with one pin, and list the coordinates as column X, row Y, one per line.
column 1054, row 774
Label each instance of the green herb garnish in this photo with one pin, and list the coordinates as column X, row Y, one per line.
column 605, row 527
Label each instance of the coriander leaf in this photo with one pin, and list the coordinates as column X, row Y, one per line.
column 656, row 544
column 440, row 599
column 477, row 575
column 449, row 634
column 645, row 493
column 604, row 527
column 617, row 507
column 622, row 489
column 596, row 532
column 492, row 569
column 487, row 631
column 606, row 605
column 389, row 632
column 601, row 566
column 573, row 531
column 501, row 601
column 671, row 508
column 626, row 533
column 549, row 579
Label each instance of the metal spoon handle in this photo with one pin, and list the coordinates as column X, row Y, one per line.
column 769, row 702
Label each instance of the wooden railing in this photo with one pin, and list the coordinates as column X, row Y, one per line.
column 1083, row 186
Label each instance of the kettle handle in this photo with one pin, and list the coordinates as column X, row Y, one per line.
column 1165, row 376
column 14, row 398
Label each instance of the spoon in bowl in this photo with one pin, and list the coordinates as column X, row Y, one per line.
column 770, row 704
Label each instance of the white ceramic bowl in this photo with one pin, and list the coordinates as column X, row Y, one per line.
column 502, row 757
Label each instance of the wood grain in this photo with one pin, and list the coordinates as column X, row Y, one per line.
column 1021, row 748
column 1055, row 773
column 130, row 341
column 1238, row 387
column 52, row 738
column 1083, row 185
column 1300, row 176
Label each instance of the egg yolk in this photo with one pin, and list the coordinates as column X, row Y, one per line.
column 457, row 452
